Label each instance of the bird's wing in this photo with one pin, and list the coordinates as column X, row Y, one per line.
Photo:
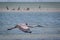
column 38, row 26
column 32, row 26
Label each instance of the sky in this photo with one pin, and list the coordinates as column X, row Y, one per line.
column 29, row 0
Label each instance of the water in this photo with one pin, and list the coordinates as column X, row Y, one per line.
column 30, row 4
column 49, row 20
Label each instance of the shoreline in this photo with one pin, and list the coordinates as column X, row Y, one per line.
column 32, row 10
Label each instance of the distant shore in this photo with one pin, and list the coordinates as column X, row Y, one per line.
column 32, row 10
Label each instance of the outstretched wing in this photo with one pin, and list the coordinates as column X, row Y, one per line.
column 32, row 26
column 38, row 26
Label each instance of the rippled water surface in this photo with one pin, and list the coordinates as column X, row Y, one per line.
column 49, row 20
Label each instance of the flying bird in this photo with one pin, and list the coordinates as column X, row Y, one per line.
column 24, row 27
